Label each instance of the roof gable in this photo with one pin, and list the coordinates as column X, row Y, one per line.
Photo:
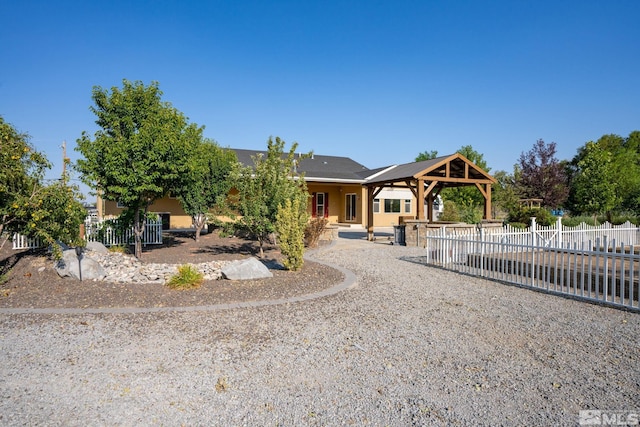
column 452, row 167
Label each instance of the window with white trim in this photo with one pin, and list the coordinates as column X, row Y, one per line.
column 391, row 205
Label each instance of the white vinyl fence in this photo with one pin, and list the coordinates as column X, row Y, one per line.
column 583, row 262
column 108, row 232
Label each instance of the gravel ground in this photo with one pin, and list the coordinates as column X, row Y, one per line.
column 407, row 345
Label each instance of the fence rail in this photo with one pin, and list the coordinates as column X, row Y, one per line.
column 601, row 269
column 107, row 232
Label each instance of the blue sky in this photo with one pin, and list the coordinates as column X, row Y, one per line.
column 376, row 81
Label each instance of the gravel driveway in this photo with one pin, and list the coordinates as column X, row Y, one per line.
column 407, row 345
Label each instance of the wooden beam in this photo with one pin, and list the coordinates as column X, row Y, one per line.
column 487, row 203
column 412, row 188
column 370, row 196
column 420, row 199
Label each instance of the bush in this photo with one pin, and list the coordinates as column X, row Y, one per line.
column 188, row 277
column 314, row 230
column 291, row 221
column 450, row 212
column 121, row 249
column 524, row 214
column 471, row 214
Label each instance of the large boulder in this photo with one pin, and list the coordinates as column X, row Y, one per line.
column 69, row 266
column 246, row 269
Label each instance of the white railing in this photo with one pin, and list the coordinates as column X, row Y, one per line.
column 601, row 270
column 107, row 232
column 554, row 236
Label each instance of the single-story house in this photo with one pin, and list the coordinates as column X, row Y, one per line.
column 347, row 192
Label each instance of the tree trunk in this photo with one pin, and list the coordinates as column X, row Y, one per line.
column 198, row 222
column 261, row 241
column 138, row 230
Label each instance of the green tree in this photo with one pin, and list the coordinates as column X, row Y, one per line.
column 624, row 170
column 137, row 155
column 264, row 188
column 427, row 155
column 52, row 212
column 205, row 182
column 593, row 184
column 505, row 196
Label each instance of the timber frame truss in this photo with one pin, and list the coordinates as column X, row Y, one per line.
column 426, row 179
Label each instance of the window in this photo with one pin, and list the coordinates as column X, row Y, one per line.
column 376, row 205
column 320, row 206
column 391, row 206
column 120, row 205
column 407, row 206
column 350, row 204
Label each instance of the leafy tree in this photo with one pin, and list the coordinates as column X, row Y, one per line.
column 138, row 154
column 264, row 188
column 427, row 155
column 593, row 184
column 505, row 196
column 542, row 176
column 624, row 170
column 50, row 212
column 205, row 181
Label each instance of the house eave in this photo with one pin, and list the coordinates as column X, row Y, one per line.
column 337, row 180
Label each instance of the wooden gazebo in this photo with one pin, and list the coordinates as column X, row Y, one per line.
column 426, row 179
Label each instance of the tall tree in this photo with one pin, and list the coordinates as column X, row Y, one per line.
column 27, row 206
column 542, row 176
column 138, row 153
column 205, row 183
column 593, row 183
column 624, row 168
column 505, row 195
column 263, row 189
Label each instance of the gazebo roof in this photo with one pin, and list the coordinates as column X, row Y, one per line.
column 450, row 171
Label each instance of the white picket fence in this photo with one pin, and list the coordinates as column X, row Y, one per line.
column 107, row 232
column 584, row 262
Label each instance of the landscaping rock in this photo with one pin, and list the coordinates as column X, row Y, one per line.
column 97, row 247
column 69, row 266
column 247, row 269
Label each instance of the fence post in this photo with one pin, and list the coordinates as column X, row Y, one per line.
column 534, row 239
column 559, row 232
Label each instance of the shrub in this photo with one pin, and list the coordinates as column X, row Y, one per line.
column 314, row 230
column 524, row 214
column 121, row 249
column 291, row 221
column 188, row 277
column 450, row 211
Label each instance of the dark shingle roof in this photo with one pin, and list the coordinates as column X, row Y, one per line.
column 317, row 167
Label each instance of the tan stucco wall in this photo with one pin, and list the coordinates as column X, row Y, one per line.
column 337, row 201
column 383, row 219
column 337, row 207
column 177, row 219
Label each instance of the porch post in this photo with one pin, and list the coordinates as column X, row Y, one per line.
column 420, row 211
column 369, row 213
column 487, row 202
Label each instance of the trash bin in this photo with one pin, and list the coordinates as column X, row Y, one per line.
column 399, row 235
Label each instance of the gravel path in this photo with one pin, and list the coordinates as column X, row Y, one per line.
column 408, row 345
